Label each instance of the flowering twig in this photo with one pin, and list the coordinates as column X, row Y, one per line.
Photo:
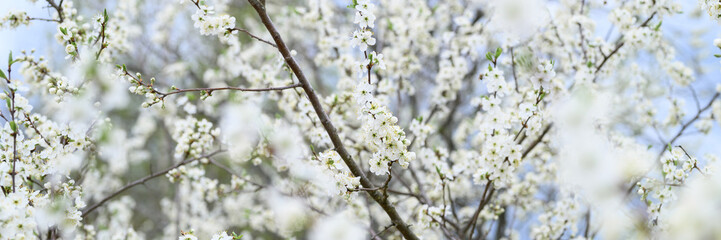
column 328, row 125
column 618, row 47
column 678, row 135
column 687, row 124
column 695, row 165
column 32, row 125
column 160, row 96
column 101, row 36
column 13, row 124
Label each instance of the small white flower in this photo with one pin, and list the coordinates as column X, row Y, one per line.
column 363, row 39
column 365, row 19
column 69, row 49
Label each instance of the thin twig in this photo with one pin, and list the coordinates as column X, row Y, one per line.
column 43, row 19
column 513, row 69
column 162, row 95
column 687, row 124
column 377, row 235
column 252, row 36
column 210, row 90
column 618, row 47
column 695, row 97
column 103, row 25
column 32, row 125
column 537, row 141
column 143, row 180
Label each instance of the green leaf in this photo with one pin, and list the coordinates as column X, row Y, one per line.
column 2, row 75
column 353, row 4
column 105, row 14
column 717, row 55
column 498, row 52
column 64, row 31
column 489, row 56
column 7, row 101
column 658, row 26
column 13, row 126
column 669, row 147
column 125, row 69
column 10, row 58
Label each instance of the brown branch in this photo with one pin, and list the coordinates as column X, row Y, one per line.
column 328, row 125
column 484, row 200
column 43, row 19
column 58, row 8
column 210, row 90
column 90, row 209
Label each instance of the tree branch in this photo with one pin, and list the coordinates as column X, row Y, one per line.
column 328, row 125
column 230, row 88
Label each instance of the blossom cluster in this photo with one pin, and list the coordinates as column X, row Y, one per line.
column 365, row 19
column 382, row 134
column 712, row 8
column 194, row 137
column 334, row 166
column 14, row 20
column 206, row 20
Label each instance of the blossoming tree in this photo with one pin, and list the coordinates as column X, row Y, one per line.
column 361, row 119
